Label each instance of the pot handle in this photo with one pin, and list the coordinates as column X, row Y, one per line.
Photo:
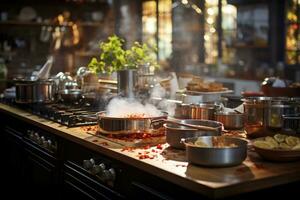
column 157, row 122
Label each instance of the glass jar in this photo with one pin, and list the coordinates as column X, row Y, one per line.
column 3, row 69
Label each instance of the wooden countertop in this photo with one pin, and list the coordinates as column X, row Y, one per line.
column 169, row 164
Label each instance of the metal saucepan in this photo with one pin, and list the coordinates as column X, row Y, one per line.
column 233, row 151
column 127, row 125
column 231, row 120
column 71, row 95
column 176, row 132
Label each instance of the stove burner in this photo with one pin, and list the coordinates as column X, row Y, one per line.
column 70, row 116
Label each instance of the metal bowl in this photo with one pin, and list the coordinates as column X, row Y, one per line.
column 174, row 132
column 231, row 120
column 216, row 156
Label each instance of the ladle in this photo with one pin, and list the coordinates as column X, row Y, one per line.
column 198, row 127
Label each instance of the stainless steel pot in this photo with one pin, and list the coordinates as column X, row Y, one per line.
column 175, row 132
column 204, row 111
column 216, row 156
column 127, row 83
column 231, row 120
column 256, row 112
column 24, row 91
column 41, row 91
column 71, row 95
column 126, row 125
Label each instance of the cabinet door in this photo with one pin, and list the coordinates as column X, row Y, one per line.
column 139, row 190
column 39, row 167
column 13, row 156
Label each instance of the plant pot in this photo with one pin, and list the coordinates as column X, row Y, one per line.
column 127, row 83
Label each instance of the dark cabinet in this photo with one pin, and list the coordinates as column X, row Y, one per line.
column 13, row 156
column 39, row 167
column 90, row 174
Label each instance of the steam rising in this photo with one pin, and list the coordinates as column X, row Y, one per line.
column 121, row 107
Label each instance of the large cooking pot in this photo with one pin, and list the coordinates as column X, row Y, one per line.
column 175, row 132
column 41, row 91
column 127, row 125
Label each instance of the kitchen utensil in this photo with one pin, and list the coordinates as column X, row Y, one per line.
column 127, row 125
column 175, row 131
column 230, row 120
column 233, row 153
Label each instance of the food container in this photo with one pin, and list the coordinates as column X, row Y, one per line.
column 175, row 132
column 128, row 125
column 291, row 123
column 233, row 153
column 204, row 111
column 277, row 110
column 231, row 120
column 257, row 110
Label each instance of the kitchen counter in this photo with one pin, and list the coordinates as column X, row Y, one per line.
column 170, row 165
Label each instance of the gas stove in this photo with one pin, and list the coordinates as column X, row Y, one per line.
column 69, row 115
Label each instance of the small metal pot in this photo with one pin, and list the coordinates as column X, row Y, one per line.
column 43, row 91
column 204, row 111
column 24, row 91
column 216, row 156
column 127, row 125
column 231, row 120
column 70, row 96
column 174, row 132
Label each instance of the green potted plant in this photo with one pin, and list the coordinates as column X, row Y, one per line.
column 114, row 58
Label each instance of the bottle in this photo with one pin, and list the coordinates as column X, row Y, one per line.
column 3, row 69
